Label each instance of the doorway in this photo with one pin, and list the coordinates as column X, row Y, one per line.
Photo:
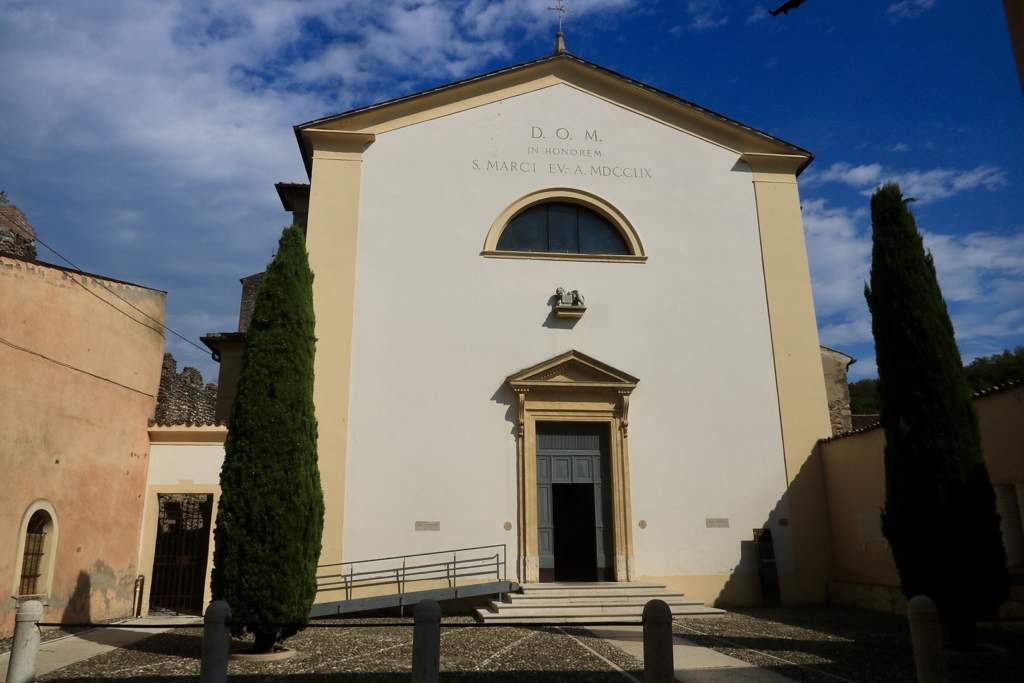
column 574, row 502
column 574, row 548
column 182, row 548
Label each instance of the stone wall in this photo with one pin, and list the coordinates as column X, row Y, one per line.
column 183, row 398
column 835, row 365
column 16, row 234
column 250, row 285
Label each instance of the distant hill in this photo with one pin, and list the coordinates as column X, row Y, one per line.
column 982, row 373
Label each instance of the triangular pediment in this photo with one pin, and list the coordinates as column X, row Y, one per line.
column 572, row 369
column 542, row 73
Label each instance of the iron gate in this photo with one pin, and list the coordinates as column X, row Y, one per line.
column 182, row 546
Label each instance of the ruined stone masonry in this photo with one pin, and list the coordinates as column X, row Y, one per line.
column 835, row 365
column 183, row 398
column 16, row 234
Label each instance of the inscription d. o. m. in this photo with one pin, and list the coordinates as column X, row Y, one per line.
column 538, row 133
column 428, row 526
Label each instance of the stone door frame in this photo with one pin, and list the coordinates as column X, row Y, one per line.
column 573, row 387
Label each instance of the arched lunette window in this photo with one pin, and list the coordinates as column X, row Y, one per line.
column 34, row 559
column 563, row 224
column 562, row 228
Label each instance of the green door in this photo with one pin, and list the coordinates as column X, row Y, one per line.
column 574, row 501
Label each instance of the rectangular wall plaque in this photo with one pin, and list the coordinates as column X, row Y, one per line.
column 717, row 522
column 428, row 526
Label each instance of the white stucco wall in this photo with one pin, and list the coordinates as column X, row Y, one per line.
column 171, row 463
column 438, row 327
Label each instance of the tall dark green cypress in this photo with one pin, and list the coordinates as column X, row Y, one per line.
column 271, row 509
column 940, row 515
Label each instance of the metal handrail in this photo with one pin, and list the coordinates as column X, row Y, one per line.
column 400, row 557
column 488, row 559
column 398, row 575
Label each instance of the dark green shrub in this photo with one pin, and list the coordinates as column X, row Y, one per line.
column 271, row 510
column 940, row 515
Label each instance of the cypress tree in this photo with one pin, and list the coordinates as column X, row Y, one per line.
column 271, row 510
column 940, row 516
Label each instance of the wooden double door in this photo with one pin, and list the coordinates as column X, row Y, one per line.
column 574, row 501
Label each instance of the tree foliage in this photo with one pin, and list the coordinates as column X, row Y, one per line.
column 982, row 373
column 940, row 515
column 270, row 516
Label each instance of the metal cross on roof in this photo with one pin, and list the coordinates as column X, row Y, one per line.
column 562, row 11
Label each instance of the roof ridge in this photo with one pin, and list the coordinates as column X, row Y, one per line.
column 567, row 56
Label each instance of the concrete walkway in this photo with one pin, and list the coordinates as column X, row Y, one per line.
column 693, row 664
column 60, row 652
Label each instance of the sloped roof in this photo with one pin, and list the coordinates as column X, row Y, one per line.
column 380, row 110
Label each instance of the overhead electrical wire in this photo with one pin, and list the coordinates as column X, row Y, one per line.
column 11, row 344
column 163, row 325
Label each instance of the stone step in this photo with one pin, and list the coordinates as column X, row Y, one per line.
column 530, row 601
column 597, row 595
column 521, row 617
column 590, row 586
column 503, row 609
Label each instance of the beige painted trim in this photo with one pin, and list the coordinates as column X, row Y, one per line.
column 193, row 435
column 331, row 241
column 800, row 383
column 572, row 387
column 550, row 256
column 148, row 542
column 777, row 168
column 575, row 196
column 613, row 89
column 49, row 548
column 336, row 144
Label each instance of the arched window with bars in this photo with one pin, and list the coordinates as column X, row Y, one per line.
column 35, row 556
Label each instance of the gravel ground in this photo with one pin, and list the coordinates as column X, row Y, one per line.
column 381, row 653
column 823, row 645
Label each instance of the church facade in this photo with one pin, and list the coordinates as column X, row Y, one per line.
column 560, row 310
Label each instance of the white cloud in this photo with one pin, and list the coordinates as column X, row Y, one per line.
column 857, row 176
column 975, row 266
column 942, row 183
column 900, row 147
column 863, row 368
column 839, row 251
column 925, row 186
column 905, row 9
column 981, row 274
column 706, row 14
column 172, row 118
column 759, row 13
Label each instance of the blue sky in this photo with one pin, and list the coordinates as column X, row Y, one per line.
column 143, row 138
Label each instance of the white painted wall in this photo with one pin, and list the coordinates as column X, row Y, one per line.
column 438, row 328
column 171, row 463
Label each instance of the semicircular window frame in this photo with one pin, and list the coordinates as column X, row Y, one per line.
column 566, row 225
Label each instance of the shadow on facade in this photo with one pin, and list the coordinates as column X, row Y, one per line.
column 794, row 568
column 79, row 605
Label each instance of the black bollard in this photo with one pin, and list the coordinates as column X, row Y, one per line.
column 426, row 643
column 214, row 666
column 658, row 664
